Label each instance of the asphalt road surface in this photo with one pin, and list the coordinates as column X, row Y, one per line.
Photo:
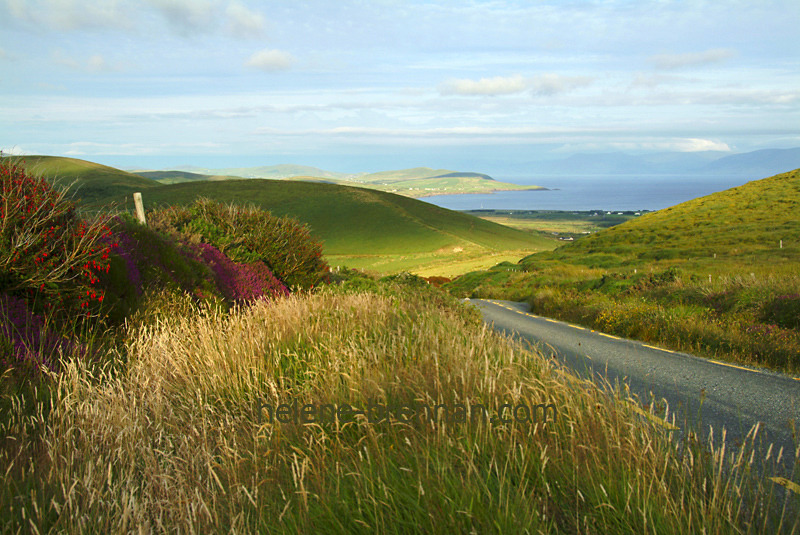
column 705, row 393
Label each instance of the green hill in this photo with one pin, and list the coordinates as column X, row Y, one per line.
column 356, row 220
column 176, row 177
column 361, row 227
column 269, row 171
column 403, row 174
column 729, row 229
column 715, row 276
column 93, row 182
column 425, row 182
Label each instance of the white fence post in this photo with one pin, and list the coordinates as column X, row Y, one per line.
column 137, row 200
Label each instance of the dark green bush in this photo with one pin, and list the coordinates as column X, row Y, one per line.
column 783, row 311
column 247, row 234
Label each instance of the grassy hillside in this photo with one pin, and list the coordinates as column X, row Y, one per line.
column 423, row 182
column 219, row 401
column 270, row 171
column 93, row 182
column 716, row 276
column 195, row 425
column 721, row 233
column 366, row 228
column 403, row 174
column 176, row 177
column 361, row 228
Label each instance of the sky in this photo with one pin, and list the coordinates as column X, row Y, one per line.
column 360, row 86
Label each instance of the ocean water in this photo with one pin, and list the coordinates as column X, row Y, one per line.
column 593, row 193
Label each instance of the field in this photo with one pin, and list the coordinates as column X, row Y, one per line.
column 191, row 428
column 562, row 224
column 715, row 276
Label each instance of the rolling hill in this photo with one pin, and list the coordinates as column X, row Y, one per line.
column 93, row 183
column 360, row 227
column 414, row 182
column 269, row 171
column 176, row 177
column 356, row 220
column 714, row 276
column 746, row 224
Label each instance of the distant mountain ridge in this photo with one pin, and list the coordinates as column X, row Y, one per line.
column 764, row 162
column 267, row 171
column 413, row 182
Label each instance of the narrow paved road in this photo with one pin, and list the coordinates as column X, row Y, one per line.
column 708, row 393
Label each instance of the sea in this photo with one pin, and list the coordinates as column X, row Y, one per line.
column 606, row 192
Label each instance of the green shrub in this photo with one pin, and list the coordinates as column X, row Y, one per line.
column 247, row 234
column 783, row 311
column 146, row 260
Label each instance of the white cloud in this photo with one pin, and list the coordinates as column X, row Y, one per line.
column 499, row 85
column 689, row 59
column 270, row 60
column 98, row 63
column 186, row 16
column 95, row 63
column 543, row 84
column 552, row 84
column 243, row 22
column 699, row 145
column 70, row 14
column 13, row 151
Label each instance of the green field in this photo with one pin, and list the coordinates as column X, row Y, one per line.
column 366, row 228
column 717, row 276
column 559, row 223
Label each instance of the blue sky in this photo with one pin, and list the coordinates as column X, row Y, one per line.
column 374, row 85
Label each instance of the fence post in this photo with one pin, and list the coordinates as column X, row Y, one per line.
column 137, row 200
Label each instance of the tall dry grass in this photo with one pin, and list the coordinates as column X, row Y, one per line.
column 176, row 439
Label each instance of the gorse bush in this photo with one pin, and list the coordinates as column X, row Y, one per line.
column 47, row 251
column 51, row 264
column 247, row 235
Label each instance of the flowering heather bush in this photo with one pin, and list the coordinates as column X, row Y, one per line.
column 147, row 260
column 247, row 235
column 24, row 338
column 241, row 282
column 47, row 252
